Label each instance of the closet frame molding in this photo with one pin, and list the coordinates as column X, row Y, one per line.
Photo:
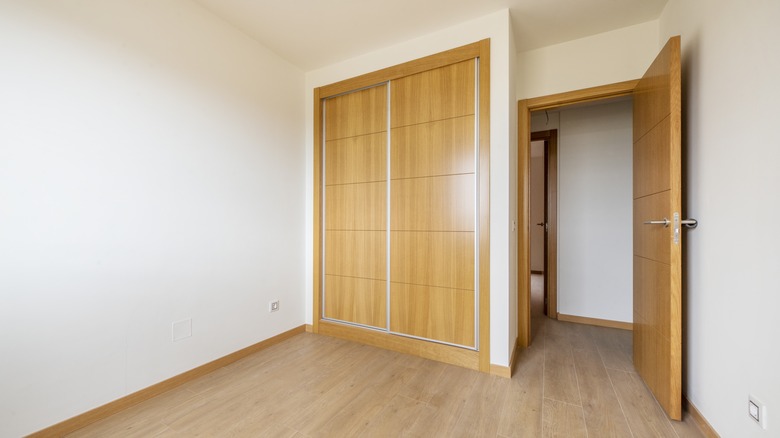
column 477, row 360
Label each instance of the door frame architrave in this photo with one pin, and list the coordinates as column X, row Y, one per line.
column 524, row 109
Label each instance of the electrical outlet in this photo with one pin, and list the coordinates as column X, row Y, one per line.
column 273, row 306
column 757, row 411
column 181, row 329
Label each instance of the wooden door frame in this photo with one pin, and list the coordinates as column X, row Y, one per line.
column 550, row 139
column 524, row 109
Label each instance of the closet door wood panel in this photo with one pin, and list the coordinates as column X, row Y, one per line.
column 443, row 147
column 440, row 203
column 356, row 254
column 355, row 287
column 357, row 113
column 438, row 94
column 433, row 312
column 358, row 300
column 433, row 204
column 441, row 259
column 357, row 206
column 356, row 159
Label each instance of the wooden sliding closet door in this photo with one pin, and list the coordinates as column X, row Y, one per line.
column 433, row 204
column 356, row 207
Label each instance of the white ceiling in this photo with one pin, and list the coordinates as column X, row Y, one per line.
column 315, row 33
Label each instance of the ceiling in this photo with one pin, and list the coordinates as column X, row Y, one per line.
column 316, row 33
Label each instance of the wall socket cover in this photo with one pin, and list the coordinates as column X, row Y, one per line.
column 273, row 306
column 181, row 329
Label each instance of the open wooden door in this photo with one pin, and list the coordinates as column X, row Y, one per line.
column 657, row 229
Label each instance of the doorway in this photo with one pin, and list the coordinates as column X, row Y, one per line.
column 539, row 106
column 544, row 226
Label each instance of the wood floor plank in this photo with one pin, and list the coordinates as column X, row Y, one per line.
column 423, row 385
column 351, row 420
column 396, row 419
column 562, row 420
column 521, row 415
column 644, row 415
column 569, row 382
column 448, row 400
column 560, row 377
column 482, row 412
column 599, row 401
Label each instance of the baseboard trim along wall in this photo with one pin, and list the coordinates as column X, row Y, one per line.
column 704, row 426
column 595, row 321
column 72, row 424
column 506, row 371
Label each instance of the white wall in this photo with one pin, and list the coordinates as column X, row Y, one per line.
column 503, row 129
column 595, row 212
column 594, row 209
column 151, row 170
column 606, row 58
column 732, row 151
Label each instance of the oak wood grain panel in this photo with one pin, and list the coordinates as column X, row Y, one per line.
column 651, row 171
column 441, row 59
column 653, row 241
column 356, row 206
column 600, row 92
column 657, row 303
column 443, row 147
column 442, row 203
column 658, row 91
column 433, row 313
column 317, row 195
column 442, row 259
column 357, row 113
column 359, row 254
column 651, row 294
column 484, row 206
column 358, row 300
column 438, row 94
column 356, row 159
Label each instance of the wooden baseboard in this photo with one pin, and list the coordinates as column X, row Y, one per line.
column 501, row 371
column 72, row 424
column 704, row 426
column 429, row 350
column 506, row 371
column 595, row 321
column 309, row 328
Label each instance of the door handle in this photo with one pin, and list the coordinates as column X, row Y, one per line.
column 689, row 223
column 541, row 224
column 665, row 222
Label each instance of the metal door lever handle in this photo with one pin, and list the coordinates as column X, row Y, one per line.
column 665, row 222
column 689, row 223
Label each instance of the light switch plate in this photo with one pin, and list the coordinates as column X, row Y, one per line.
column 757, row 411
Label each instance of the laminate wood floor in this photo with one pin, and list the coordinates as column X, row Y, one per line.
column 575, row 380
